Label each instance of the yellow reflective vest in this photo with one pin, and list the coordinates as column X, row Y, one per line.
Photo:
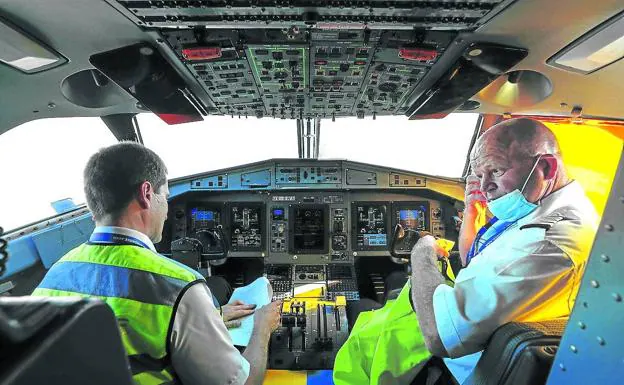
column 143, row 289
column 386, row 346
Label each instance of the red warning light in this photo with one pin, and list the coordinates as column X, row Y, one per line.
column 320, row 62
column 201, row 53
column 360, row 62
column 420, row 54
column 172, row 119
column 439, row 115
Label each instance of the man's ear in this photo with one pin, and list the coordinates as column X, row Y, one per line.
column 146, row 192
column 550, row 166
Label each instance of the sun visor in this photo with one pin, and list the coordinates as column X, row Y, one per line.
column 144, row 73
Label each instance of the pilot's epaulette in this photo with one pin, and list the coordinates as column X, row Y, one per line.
column 546, row 222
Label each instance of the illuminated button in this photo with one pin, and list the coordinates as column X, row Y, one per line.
column 201, row 53
column 419, row 54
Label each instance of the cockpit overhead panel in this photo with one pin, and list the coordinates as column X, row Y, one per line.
column 309, row 73
column 293, row 17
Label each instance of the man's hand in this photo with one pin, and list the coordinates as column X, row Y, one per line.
column 473, row 197
column 266, row 320
column 268, row 317
column 233, row 312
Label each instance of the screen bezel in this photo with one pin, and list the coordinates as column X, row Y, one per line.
column 354, row 220
column 261, row 219
column 291, row 229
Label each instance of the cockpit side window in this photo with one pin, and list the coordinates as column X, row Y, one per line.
column 42, row 162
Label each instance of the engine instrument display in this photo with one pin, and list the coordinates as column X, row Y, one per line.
column 370, row 226
column 246, row 227
column 308, row 229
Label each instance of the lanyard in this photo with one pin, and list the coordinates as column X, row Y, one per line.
column 115, row 239
column 475, row 249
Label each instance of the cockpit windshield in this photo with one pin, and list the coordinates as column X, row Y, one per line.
column 391, row 141
column 53, row 152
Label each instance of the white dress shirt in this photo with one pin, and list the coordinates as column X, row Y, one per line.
column 201, row 348
column 528, row 274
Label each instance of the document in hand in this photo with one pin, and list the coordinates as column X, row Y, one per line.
column 258, row 293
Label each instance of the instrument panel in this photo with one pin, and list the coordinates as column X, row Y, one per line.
column 302, row 227
column 318, row 249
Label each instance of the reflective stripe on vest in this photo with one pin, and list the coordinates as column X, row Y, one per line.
column 140, row 286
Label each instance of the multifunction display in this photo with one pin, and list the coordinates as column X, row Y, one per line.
column 308, row 229
column 246, row 227
column 370, row 225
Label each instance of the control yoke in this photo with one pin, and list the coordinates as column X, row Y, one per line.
column 194, row 251
column 402, row 236
column 211, row 236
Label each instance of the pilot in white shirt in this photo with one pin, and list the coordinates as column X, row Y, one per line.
column 525, row 265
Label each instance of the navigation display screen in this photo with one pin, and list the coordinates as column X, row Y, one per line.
column 410, row 215
column 370, row 224
column 412, row 219
column 308, row 229
column 204, row 218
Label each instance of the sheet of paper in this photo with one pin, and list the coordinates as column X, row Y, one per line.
column 258, row 293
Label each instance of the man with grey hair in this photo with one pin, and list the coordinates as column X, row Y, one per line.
column 525, row 264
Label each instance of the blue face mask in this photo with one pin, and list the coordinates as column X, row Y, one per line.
column 513, row 205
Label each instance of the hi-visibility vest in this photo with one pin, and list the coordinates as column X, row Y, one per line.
column 143, row 289
column 386, row 346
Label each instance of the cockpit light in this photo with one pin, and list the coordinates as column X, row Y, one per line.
column 24, row 53
column 597, row 49
column 201, row 53
column 418, row 54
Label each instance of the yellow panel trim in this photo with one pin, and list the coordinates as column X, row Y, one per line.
column 285, row 377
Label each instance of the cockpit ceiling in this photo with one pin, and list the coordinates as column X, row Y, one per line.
column 314, row 59
column 309, row 59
